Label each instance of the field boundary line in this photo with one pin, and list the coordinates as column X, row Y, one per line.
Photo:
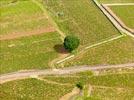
column 118, row 19
column 18, row 35
column 110, row 87
column 50, row 19
column 67, row 58
column 88, row 47
column 118, row 73
column 114, row 21
column 33, row 42
column 52, row 82
column 118, row 4
column 90, row 89
column 53, row 23
column 30, row 19
column 8, row 5
column 64, row 76
column 27, row 20
column 103, row 42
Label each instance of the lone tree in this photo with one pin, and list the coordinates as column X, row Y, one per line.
column 71, row 43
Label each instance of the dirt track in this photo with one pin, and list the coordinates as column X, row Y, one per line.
column 70, row 70
column 23, row 34
column 118, row 4
column 26, row 74
column 112, row 19
column 122, row 24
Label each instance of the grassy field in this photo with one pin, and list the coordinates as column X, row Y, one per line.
column 115, row 52
column 113, row 94
column 32, row 89
column 122, row 80
column 21, row 16
column 78, row 17
column 116, row 1
column 34, row 52
column 81, row 18
column 105, row 86
column 125, row 13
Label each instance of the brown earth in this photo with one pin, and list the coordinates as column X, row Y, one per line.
column 29, row 33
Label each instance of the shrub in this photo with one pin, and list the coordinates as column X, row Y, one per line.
column 79, row 85
column 71, row 43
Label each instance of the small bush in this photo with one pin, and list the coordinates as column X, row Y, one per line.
column 79, row 85
column 71, row 43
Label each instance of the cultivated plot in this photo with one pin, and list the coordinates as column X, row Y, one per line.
column 115, row 52
column 81, row 18
column 32, row 89
column 125, row 13
column 104, row 45
column 34, row 52
column 22, row 18
column 109, row 84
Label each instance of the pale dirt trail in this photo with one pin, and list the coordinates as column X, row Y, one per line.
column 69, row 70
column 113, row 20
column 27, row 74
column 118, row 4
column 29, row 33
column 121, row 23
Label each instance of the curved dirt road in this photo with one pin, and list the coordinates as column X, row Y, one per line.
column 70, row 70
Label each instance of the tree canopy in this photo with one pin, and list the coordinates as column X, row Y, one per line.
column 71, row 43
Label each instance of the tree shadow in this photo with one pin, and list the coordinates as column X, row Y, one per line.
column 60, row 49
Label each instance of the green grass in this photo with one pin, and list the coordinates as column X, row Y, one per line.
column 120, row 86
column 6, row 2
column 112, row 94
column 34, row 52
column 21, row 16
column 32, row 89
column 125, row 13
column 116, row 86
column 81, row 18
column 78, row 77
column 116, row 1
column 114, row 80
column 115, row 52
column 124, row 80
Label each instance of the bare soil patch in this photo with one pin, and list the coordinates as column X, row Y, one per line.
column 29, row 33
